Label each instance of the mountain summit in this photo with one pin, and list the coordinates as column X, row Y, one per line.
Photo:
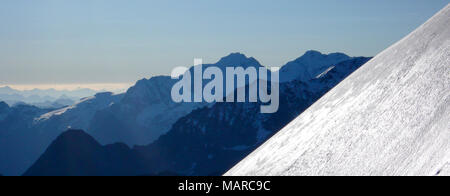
column 310, row 65
column 238, row 59
column 75, row 153
column 390, row 117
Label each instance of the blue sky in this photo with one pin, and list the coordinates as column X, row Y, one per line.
column 121, row 41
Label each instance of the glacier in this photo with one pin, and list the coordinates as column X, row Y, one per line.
column 389, row 118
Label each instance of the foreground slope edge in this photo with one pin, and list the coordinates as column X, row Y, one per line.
column 391, row 117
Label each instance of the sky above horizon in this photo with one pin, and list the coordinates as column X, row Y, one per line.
column 119, row 42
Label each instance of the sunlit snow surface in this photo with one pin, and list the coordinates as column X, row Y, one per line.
column 391, row 117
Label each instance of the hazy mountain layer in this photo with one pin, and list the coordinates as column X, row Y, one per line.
column 49, row 98
column 207, row 141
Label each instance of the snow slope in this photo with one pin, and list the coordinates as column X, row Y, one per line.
column 444, row 171
column 391, row 117
column 78, row 115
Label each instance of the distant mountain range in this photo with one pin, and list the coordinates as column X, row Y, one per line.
column 145, row 112
column 49, row 98
column 82, row 92
column 200, row 140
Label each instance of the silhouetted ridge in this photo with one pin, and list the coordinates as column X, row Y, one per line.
column 77, row 138
column 75, row 153
column 238, row 59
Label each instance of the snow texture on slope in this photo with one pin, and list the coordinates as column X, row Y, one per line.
column 391, row 117
column 444, row 171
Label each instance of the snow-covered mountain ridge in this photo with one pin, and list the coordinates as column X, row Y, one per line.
column 310, row 65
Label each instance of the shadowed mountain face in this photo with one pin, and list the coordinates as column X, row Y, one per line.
column 75, row 153
column 208, row 141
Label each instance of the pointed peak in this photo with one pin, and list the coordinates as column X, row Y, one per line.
column 313, row 54
column 238, row 59
column 310, row 65
column 76, row 138
column 235, row 55
column 74, row 133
